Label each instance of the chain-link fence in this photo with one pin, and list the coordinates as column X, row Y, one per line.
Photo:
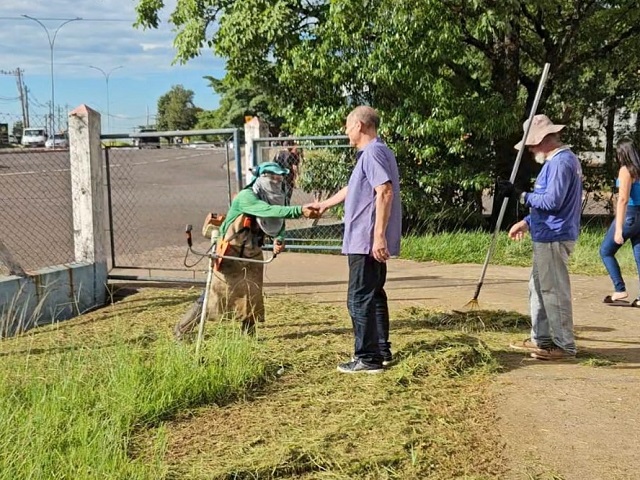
column 320, row 166
column 36, row 219
column 13, row 127
column 155, row 189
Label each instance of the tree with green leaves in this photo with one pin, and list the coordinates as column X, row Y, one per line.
column 452, row 79
column 176, row 110
column 239, row 99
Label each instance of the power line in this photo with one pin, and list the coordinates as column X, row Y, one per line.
column 55, row 19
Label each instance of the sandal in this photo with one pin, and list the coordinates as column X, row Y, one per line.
column 609, row 299
column 526, row 345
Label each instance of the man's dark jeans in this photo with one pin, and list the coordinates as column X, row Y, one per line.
column 367, row 303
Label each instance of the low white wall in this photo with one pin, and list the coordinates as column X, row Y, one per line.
column 50, row 295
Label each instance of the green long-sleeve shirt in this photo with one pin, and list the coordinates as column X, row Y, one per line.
column 246, row 202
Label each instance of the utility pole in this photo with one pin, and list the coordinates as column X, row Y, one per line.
column 21, row 93
column 26, row 105
column 18, row 74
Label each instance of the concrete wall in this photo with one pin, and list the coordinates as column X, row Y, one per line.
column 49, row 295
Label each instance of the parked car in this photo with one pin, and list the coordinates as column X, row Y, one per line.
column 146, row 141
column 34, row 137
column 59, row 140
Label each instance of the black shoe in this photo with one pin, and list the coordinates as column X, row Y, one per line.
column 358, row 366
column 387, row 360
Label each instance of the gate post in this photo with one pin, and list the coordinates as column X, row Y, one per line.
column 87, row 188
column 254, row 128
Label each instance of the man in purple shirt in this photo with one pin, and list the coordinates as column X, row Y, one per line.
column 372, row 223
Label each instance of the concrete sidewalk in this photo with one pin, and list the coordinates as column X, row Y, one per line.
column 572, row 419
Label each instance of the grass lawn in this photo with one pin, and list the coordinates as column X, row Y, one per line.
column 109, row 395
column 471, row 247
column 73, row 396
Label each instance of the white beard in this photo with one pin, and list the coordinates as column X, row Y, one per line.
column 540, row 157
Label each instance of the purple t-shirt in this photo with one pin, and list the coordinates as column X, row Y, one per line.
column 376, row 165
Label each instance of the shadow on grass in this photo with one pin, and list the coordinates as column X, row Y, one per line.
column 313, row 333
column 143, row 340
column 117, row 293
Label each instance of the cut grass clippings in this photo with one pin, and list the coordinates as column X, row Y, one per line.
column 109, row 395
column 429, row 416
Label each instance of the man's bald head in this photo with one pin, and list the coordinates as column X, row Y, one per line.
column 367, row 115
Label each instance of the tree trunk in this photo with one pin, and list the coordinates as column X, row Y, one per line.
column 505, row 80
column 609, row 135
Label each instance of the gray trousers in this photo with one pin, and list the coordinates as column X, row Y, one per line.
column 550, row 296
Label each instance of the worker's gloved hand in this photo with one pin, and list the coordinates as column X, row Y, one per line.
column 506, row 189
column 278, row 247
column 310, row 212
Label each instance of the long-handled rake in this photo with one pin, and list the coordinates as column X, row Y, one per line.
column 473, row 303
column 212, row 255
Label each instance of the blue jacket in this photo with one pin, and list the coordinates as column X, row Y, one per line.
column 556, row 201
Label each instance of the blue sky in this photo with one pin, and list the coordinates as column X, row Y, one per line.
column 146, row 58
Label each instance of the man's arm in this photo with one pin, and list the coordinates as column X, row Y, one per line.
column 384, row 200
column 331, row 201
column 558, row 179
column 249, row 204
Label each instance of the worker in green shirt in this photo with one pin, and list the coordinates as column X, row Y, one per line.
column 236, row 287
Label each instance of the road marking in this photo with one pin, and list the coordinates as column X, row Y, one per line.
column 16, row 173
column 163, row 160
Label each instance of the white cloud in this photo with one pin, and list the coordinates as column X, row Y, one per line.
column 147, row 58
column 103, row 43
column 155, row 46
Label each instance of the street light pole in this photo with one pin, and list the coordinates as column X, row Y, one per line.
column 106, row 77
column 52, row 41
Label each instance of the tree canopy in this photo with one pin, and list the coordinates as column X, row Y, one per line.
column 176, row 110
column 238, row 99
column 452, row 79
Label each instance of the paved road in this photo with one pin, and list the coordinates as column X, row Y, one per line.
column 155, row 193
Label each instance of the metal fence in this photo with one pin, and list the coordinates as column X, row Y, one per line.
column 36, row 219
column 156, row 189
column 323, row 166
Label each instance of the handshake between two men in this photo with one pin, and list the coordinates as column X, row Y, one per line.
column 311, row 210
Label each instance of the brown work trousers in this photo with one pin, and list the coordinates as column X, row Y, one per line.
column 235, row 292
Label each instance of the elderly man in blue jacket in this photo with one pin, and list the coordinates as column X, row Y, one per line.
column 554, row 224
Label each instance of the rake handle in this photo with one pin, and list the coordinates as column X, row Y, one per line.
column 514, row 172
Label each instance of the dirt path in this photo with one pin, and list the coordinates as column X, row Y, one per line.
column 558, row 421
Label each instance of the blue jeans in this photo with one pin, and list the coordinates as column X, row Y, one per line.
column 609, row 248
column 368, row 308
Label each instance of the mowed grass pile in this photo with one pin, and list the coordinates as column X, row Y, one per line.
column 109, row 395
column 471, row 247
column 428, row 416
column 73, row 395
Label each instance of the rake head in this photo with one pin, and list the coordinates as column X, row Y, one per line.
column 472, row 304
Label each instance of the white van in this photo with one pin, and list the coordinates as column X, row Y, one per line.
column 34, row 137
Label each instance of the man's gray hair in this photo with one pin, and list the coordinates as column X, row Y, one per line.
column 366, row 115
